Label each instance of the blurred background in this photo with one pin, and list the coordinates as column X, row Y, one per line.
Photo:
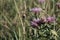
column 29, row 19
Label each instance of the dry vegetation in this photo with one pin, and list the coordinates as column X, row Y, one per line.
column 16, row 17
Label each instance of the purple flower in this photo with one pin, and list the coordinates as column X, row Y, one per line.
column 36, row 9
column 40, row 21
column 34, row 24
column 58, row 4
column 50, row 19
column 36, row 20
column 41, row 1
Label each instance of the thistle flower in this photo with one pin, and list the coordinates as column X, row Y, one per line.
column 34, row 24
column 39, row 21
column 36, row 20
column 41, row 1
column 50, row 19
column 36, row 9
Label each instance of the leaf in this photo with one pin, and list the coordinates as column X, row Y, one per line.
column 54, row 32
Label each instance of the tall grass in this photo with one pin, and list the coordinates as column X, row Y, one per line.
column 15, row 18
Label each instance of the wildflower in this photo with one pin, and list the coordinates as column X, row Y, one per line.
column 40, row 21
column 34, row 24
column 36, row 9
column 50, row 19
column 58, row 5
column 36, row 20
column 41, row 1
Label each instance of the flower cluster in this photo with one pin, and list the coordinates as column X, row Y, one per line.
column 37, row 22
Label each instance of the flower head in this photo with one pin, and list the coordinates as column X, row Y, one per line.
column 36, row 9
column 50, row 19
column 36, row 20
column 34, row 24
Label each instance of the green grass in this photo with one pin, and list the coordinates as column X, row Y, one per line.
column 14, row 27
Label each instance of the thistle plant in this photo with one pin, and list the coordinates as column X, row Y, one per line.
column 29, row 19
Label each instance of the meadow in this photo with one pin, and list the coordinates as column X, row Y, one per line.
column 29, row 19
